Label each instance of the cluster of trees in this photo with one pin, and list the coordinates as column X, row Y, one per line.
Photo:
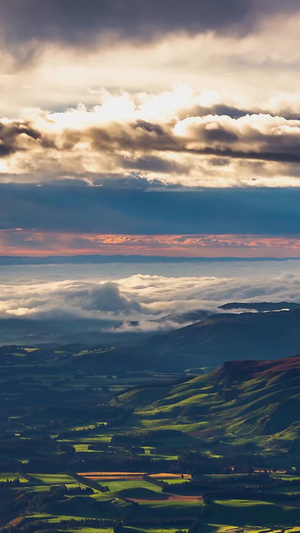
column 154, row 522
column 248, row 493
column 10, row 483
column 89, row 482
column 31, row 502
column 37, row 502
column 201, row 485
column 10, row 466
column 146, row 438
column 117, row 461
column 30, row 448
column 32, row 526
column 79, row 491
column 157, row 482
column 259, row 486
column 119, row 527
column 98, row 428
column 114, row 459
column 197, row 463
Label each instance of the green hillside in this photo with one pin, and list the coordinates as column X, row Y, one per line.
column 247, row 401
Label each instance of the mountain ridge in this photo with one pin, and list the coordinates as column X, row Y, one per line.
column 246, row 403
column 222, row 337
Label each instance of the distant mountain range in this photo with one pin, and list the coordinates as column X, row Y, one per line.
column 91, row 331
column 98, row 259
column 260, row 307
column 211, row 342
column 269, row 330
column 200, row 314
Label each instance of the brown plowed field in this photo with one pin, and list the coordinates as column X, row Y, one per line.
column 115, row 476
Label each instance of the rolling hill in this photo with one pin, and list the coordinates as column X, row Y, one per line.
column 244, row 402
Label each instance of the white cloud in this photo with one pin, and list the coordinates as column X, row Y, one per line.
column 146, row 297
column 111, row 83
column 214, row 150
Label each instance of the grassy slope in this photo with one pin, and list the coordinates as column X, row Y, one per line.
column 252, row 400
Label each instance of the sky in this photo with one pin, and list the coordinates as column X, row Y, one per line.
column 163, row 128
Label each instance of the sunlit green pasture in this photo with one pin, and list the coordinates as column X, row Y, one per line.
column 258, row 513
column 11, row 477
column 53, row 479
column 120, row 485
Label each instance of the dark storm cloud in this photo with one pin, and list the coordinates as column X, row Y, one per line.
column 150, row 127
column 78, row 21
column 154, row 164
column 120, row 182
column 118, row 136
column 235, row 112
column 81, row 208
column 143, row 146
column 10, row 136
column 228, row 153
column 227, row 140
column 218, row 109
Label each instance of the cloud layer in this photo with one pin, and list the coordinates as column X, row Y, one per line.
column 128, row 118
column 76, row 24
column 36, row 244
column 142, row 297
column 167, row 144
column 196, row 103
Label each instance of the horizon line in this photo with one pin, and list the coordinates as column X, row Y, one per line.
column 98, row 258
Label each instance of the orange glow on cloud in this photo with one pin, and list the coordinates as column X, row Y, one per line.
column 31, row 243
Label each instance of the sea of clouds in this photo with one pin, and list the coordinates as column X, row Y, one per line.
column 138, row 295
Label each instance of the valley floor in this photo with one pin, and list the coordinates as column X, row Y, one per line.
column 86, row 451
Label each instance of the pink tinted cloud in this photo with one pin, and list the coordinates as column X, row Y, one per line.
column 32, row 243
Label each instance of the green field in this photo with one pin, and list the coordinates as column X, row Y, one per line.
column 234, row 435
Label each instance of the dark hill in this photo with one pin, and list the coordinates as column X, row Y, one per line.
column 184, row 318
column 213, row 341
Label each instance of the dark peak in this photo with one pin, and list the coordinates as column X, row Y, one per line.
column 237, row 370
column 261, row 306
column 247, row 370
